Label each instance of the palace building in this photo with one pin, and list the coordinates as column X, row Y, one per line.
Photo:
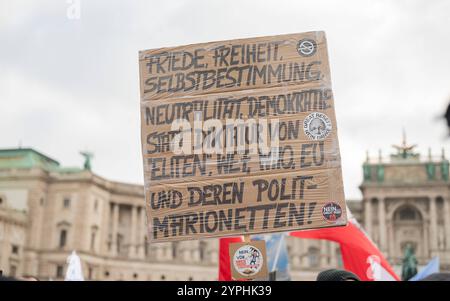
column 407, row 202
column 48, row 210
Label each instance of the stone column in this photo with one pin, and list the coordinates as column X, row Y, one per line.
column 323, row 254
column 142, row 232
column 391, row 255
column 433, row 226
column 333, row 261
column 382, row 224
column 368, row 216
column 426, row 249
column 187, row 255
column 447, row 223
column 132, row 250
column 115, row 227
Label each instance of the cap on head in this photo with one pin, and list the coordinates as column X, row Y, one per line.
column 337, row 275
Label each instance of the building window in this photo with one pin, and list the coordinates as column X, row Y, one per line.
column 145, row 246
column 408, row 214
column 109, row 243
column 62, row 238
column 339, row 257
column 92, row 240
column 119, row 243
column 202, row 250
column 59, row 271
column 93, row 237
column 95, row 205
column 15, row 249
column 313, row 257
column 174, row 249
column 66, row 203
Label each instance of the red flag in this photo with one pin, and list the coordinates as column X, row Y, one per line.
column 359, row 253
column 224, row 257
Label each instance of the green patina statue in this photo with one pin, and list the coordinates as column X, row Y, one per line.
column 444, row 170
column 380, row 173
column 409, row 265
column 431, row 171
column 87, row 159
column 367, row 172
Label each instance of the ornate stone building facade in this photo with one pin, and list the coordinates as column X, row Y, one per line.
column 406, row 200
column 47, row 210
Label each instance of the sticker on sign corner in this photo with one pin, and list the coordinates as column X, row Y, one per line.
column 306, row 47
column 331, row 212
column 317, row 126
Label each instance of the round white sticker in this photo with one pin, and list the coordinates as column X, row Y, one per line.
column 248, row 260
column 317, row 126
column 306, row 47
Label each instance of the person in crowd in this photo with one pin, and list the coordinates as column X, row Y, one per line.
column 337, row 275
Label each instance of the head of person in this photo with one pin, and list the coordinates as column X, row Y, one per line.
column 28, row 278
column 337, row 275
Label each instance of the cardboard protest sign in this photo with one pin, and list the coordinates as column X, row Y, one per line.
column 248, row 260
column 240, row 137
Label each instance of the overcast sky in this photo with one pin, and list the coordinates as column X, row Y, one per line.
column 72, row 84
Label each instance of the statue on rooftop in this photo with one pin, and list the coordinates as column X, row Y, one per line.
column 404, row 150
column 87, row 159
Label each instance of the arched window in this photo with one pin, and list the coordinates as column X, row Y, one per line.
column 62, row 230
column 62, row 238
column 66, row 202
column 407, row 213
column 313, row 256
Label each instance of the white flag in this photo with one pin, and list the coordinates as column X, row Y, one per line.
column 74, row 272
